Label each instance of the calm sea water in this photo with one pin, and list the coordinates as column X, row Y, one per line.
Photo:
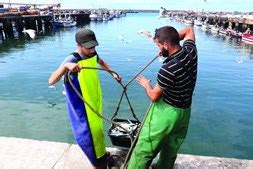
column 221, row 121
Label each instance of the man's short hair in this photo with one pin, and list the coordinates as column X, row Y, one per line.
column 167, row 34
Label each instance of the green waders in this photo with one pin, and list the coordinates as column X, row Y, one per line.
column 164, row 131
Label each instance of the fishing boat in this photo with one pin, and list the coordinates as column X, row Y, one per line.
column 198, row 22
column 93, row 16
column 215, row 29
column 205, row 26
column 67, row 21
column 188, row 21
column 247, row 38
column 223, row 31
column 105, row 17
column 63, row 23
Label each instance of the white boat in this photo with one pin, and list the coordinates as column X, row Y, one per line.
column 205, row 27
column 69, row 23
column 93, row 16
column 112, row 14
column 64, row 22
column 105, row 17
column 223, row 32
column 99, row 18
column 198, row 22
column 215, row 29
column 117, row 14
column 188, row 22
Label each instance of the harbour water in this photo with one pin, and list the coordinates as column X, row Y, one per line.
column 221, row 121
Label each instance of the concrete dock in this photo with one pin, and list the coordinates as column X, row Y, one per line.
column 16, row 153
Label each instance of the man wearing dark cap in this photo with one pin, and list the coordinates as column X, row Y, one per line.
column 86, row 124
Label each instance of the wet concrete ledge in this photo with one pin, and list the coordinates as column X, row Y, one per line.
column 16, row 153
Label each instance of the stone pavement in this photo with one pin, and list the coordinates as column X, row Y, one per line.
column 16, row 153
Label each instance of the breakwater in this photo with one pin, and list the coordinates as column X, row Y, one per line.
column 12, row 25
column 239, row 21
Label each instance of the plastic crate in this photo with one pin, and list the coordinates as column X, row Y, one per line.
column 122, row 138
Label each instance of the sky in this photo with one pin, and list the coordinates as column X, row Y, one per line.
column 207, row 5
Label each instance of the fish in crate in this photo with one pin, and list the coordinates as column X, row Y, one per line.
column 123, row 137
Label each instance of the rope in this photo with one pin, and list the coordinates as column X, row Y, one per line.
column 142, row 70
column 125, row 89
column 65, row 152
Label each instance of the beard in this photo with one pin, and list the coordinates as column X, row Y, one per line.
column 91, row 54
column 164, row 52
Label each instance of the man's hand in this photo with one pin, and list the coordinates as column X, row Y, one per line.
column 117, row 77
column 153, row 93
column 143, row 81
column 57, row 74
column 73, row 67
